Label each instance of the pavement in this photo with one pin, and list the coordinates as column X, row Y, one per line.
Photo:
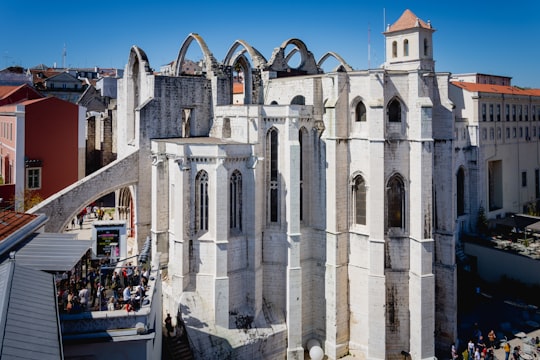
column 84, row 232
column 519, row 341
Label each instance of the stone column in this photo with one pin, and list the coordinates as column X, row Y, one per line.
column 376, row 291
column 180, row 201
column 336, row 275
column 291, row 174
column 159, row 214
column 421, row 278
column 220, row 225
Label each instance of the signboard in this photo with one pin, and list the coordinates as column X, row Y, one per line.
column 107, row 240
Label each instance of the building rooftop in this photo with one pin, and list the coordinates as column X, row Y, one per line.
column 11, row 221
column 29, row 319
column 497, row 89
column 408, row 20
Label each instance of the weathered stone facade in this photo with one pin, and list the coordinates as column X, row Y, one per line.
column 321, row 208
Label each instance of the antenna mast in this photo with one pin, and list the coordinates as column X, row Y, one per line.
column 384, row 29
column 64, row 53
column 369, row 47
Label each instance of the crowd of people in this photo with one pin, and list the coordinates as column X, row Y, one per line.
column 105, row 288
column 478, row 348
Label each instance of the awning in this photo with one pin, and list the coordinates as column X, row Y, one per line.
column 535, row 227
column 31, row 329
column 520, row 221
column 52, row 252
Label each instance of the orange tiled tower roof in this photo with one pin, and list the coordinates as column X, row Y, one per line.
column 408, row 20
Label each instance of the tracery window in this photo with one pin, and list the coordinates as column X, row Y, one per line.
column 235, row 201
column 396, row 202
column 359, row 200
column 201, row 200
column 273, row 181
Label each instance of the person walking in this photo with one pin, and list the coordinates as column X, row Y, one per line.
column 454, row 351
column 506, row 348
column 470, row 347
column 84, row 296
column 168, row 325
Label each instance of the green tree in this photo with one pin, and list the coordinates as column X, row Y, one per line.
column 482, row 223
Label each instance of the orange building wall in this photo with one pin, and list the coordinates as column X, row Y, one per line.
column 51, row 135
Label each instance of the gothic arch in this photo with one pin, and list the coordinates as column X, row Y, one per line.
column 272, row 178
column 358, row 200
column 343, row 63
column 278, row 61
column 394, row 110
column 396, row 201
column 358, row 109
column 210, row 61
column 125, row 207
column 242, row 62
column 138, row 67
column 136, row 54
column 256, row 57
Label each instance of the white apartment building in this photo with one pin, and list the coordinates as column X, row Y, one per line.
column 496, row 135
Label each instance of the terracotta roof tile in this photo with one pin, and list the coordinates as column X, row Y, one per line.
column 497, row 89
column 11, row 221
column 408, row 20
column 6, row 90
column 238, row 88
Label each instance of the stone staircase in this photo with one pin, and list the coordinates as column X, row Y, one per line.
column 176, row 347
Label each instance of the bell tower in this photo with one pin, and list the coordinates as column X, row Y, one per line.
column 409, row 44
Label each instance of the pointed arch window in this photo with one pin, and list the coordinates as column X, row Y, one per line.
column 359, row 200
column 273, row 189
column 395, row 192
column 201, row 201
column 394, row 49
column 360, row 111
column 235, row 201
column 460, row 180
column 406, row 47
column 394, row 111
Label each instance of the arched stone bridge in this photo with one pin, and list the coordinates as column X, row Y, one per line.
column 67, row 203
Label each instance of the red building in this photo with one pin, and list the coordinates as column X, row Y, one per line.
column 42, row 144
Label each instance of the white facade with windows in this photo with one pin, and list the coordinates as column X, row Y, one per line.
column 320, row 208
column 497, row 136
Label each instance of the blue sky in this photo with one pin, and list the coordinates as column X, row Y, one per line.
column 499, row 38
